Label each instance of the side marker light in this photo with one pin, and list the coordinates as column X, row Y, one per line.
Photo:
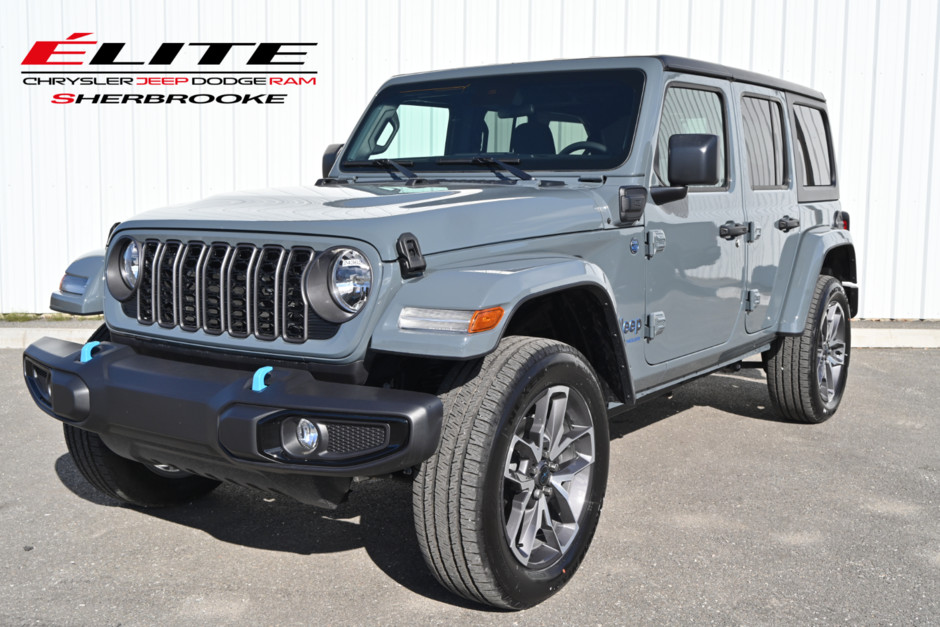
column 485, row 319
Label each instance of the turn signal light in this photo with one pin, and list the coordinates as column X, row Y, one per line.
column 485, row 319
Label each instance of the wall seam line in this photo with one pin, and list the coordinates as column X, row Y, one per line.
column 933, row 142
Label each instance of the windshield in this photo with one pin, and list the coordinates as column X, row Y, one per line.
column 583, row 120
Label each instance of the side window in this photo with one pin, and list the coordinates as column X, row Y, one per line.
column 499, row 131
column 423, row 133
column 567, row 133
column 690, row 111
column 812, row 147
column 763, row 138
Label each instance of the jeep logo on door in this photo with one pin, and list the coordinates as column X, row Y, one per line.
column 631, row 327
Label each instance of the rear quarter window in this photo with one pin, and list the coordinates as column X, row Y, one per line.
column 813, row 153
column 764, row 142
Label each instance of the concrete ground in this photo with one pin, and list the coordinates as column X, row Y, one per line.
column 717, row 513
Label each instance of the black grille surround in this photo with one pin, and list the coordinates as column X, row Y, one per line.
column 146, row 286
column 189, row 285
column 237, row 289
column 165, row 288
column 352, row 438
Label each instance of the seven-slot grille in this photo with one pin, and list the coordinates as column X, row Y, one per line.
column 242, row 290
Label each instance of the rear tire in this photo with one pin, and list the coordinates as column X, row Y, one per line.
column 806, row 374
column 506, row 509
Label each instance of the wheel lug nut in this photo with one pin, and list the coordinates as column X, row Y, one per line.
column 537, row 493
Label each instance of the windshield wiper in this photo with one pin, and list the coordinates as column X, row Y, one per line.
column 384, row 163
column 488, row 161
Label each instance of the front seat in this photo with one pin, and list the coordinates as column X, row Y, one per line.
column 532, row 138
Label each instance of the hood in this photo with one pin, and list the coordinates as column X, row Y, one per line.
column 445, row 217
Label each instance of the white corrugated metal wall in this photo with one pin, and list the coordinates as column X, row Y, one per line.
column 68, row 172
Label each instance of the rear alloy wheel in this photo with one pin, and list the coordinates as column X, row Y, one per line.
column 831, row 352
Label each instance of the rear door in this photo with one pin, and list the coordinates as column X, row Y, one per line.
column 769, row 200
column 696, row 282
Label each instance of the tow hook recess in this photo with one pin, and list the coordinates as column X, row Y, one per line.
column 257, row 381
column 86, row 351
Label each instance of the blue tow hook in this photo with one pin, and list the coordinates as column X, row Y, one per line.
column 257, row 381
column 86, row 351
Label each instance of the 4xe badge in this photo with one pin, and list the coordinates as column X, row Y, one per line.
column 634, row 246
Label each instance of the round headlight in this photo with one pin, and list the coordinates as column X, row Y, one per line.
column 130, row 264
column 350, row 279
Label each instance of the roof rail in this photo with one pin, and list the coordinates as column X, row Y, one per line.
column 704, row 68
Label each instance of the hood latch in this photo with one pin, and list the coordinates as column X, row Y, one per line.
column 409, row 256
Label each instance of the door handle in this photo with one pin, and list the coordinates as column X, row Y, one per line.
column 786, row 223
column 731, row 230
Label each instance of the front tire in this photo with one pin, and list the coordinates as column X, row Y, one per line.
column 128, row 481
column 806, row 374
column 506, row 509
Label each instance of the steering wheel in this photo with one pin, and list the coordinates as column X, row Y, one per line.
column 594, row 147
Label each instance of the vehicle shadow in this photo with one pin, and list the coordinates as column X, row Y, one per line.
column 742, row 393
column 378, row 516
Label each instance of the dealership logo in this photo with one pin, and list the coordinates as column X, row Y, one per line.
column 165, row 54
column 110, row 58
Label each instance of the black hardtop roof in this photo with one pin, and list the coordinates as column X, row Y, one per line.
column 704, row 68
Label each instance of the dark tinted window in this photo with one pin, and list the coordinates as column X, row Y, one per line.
column 763, row 138
column 549, row 121
column 690, row 112
column 812, row 144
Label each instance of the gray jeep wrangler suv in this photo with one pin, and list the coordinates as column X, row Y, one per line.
column 497, row 261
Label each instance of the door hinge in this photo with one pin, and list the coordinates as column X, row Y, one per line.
column 753, row 231
column 753, row 299
column 655, row 242
column 655, row 324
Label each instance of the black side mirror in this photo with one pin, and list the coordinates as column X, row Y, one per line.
column 329, row 158
column 693, row 161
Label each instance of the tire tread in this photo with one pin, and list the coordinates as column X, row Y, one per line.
column 448, row 488
column 790, row 365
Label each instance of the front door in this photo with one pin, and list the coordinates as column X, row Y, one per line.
column 770, row 201
column 697, row 281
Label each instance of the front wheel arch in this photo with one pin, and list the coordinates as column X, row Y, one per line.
column 583, row 317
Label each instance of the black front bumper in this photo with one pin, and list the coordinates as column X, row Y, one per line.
column 208, row 420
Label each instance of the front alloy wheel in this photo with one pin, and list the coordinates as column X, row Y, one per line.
column 548, row 476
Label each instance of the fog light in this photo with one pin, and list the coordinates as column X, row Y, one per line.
column 307, row 434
